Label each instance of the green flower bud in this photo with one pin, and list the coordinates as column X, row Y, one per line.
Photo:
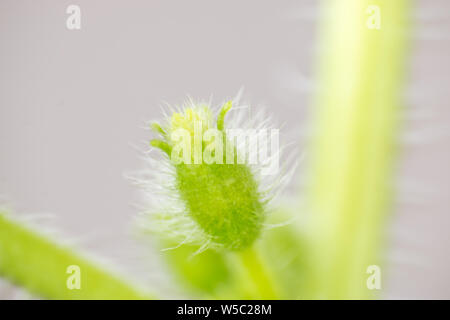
column 212, row 194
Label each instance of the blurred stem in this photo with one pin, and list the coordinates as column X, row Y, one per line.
column 255, row 278
column 356, row 113
column 38, row 264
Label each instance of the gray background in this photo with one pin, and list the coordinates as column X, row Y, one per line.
column 72, row 104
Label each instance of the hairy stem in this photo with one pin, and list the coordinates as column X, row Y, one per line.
column 40, row 265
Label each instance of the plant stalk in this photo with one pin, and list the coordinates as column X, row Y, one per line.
column 356, row 121
column 40, row 265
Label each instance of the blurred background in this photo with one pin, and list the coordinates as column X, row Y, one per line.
column 73, row 106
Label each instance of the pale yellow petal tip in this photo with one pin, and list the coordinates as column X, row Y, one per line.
column 186, row 120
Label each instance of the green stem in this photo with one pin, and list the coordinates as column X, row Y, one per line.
column 255, row 278
column 356, row 121
column 40, row 265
